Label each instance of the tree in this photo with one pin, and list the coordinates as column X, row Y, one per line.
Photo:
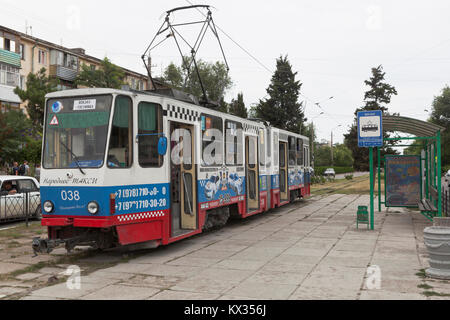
column 322, row 156
column 282, row 108
column 15, row 131
column 107, row 76
column 37, row 86
column 376, row 98
column 341, row 154
column 237, row 107
column 214, row 77
column 440, row 115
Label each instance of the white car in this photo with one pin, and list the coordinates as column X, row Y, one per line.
column 19, row 197
column 329, row 173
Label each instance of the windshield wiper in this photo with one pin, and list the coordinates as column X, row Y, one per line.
column 74, row 157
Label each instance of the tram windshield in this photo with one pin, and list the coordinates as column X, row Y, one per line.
column 76, row 131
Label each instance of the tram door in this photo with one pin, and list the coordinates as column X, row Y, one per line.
column 252, row 173
column 183, row 179
column 283, row 172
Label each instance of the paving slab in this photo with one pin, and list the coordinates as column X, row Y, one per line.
column 6, row 267
column 121, row 292
column 184, row 295
column 272, row 291
column 62, row 291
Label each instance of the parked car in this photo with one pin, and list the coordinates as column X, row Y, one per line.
column 19, row 197
column 330, row 173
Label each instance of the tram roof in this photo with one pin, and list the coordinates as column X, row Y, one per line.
column 101, row 91
column 412, row 126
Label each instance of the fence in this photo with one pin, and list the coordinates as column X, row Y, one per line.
column 20, row 206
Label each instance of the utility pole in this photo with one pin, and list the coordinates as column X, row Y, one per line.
column 332, row 155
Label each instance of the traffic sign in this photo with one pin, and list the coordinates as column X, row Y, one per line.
column 370, row 129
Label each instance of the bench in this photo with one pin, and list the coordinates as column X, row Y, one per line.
column 427, row 207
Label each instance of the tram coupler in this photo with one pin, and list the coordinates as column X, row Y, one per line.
column 45, row 245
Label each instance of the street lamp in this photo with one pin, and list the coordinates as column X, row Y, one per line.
column 332, row 156
column 312, row 138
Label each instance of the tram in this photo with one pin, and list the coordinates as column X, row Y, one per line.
column 124, row 167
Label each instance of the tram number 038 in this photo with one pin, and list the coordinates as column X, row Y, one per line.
column 70, row 195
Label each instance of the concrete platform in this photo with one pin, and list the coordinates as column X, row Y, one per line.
column 307, row 250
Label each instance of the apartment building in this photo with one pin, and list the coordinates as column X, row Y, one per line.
column 21, row 54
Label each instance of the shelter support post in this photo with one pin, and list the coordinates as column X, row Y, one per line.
column 439, row 183
column 379, row 178
column 371, row 189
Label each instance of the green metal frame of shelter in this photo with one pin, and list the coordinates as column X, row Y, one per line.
column 430, row 134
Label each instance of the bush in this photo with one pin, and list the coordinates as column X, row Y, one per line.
column 349, row 177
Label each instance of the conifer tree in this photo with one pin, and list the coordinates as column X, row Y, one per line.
column 282, row 109
column 237, row 107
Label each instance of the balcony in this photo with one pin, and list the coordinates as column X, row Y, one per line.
column 62, row 72
column 10, row 58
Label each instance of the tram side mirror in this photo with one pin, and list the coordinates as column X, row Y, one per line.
column 162, row 146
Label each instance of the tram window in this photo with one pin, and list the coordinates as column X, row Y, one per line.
column 212, row 140
column 75, row 136
column 149, row 129
column 300, row 151
column 306, row 159
column 252, row 161
column 233, row 143
column 269, row 147
column 275, row 150
column 262, row 148
column 292, row 151
column 120, row 143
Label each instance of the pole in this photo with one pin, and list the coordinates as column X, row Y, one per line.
column 371, row 189
column 439, row 186
column 332, row 158
column 379, row 178
column 312, row 143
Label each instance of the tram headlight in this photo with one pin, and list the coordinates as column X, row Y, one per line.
column 48, row 206
column 93, row 207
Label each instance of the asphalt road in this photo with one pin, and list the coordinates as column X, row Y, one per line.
column 355, row 174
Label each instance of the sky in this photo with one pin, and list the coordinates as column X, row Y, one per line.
column 333, row 45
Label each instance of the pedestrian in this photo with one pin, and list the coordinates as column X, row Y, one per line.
column 22, row 169
column 15, row 169
column 27, row 168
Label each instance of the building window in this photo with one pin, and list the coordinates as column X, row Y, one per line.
column 42, row 57
column 22, row 51
column 22, row 82
column 9, row 75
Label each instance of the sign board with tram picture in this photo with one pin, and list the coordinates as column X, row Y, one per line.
column 370, row 129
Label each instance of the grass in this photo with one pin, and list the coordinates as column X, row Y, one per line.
column 424, row 286
column 421, row 274
column 359, row 185
column 435, row 294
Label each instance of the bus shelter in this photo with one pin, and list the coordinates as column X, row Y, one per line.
column 411, row 181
